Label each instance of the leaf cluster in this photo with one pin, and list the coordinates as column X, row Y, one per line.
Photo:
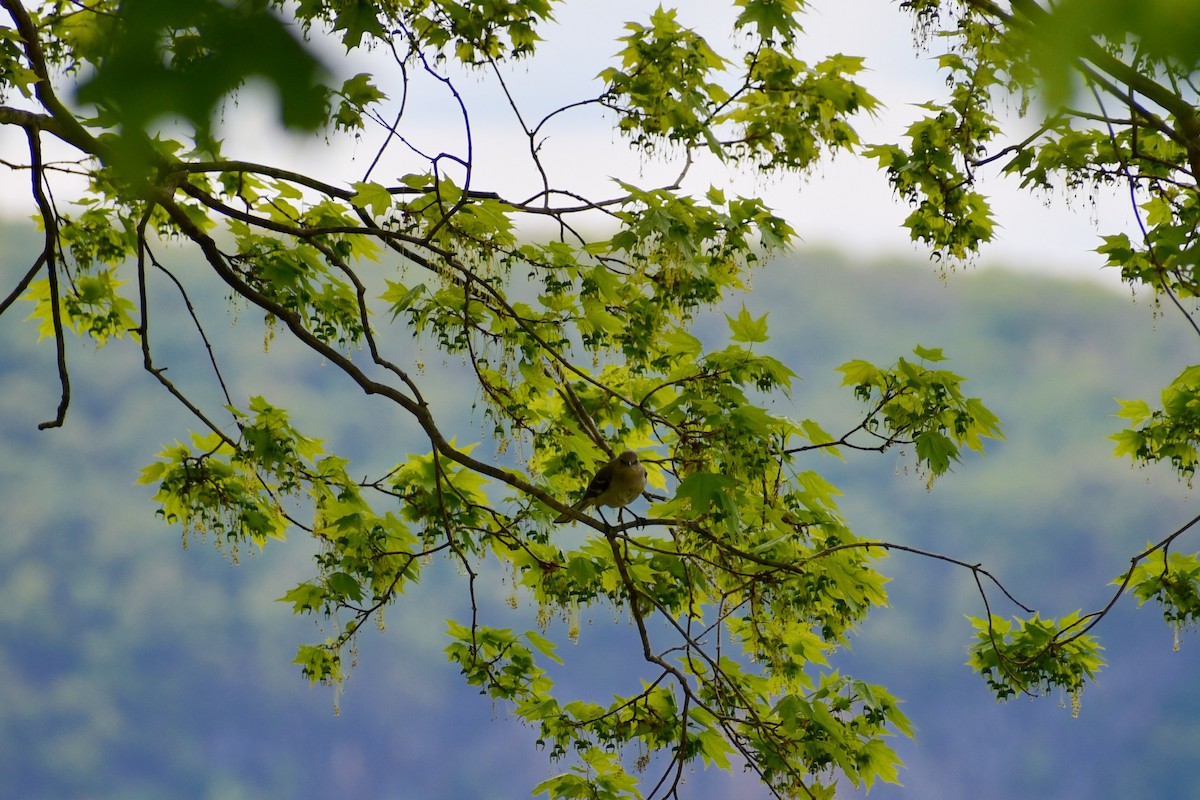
column 743, row 580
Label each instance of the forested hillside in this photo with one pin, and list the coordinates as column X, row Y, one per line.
column 132, row 667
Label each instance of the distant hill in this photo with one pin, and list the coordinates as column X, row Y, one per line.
column 132, row 668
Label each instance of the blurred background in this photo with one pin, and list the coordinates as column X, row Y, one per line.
column 133, row 667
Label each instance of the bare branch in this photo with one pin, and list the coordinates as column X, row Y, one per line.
column 49, row 257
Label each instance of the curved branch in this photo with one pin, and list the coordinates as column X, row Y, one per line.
column 49, row 257
column 415, row 406
column 143, row 331
column 23, row 284
column 66, row 126
column 1093, row 619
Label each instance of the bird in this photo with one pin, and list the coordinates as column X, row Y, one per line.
column 616, row 485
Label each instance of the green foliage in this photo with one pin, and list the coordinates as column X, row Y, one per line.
column 90, row 307
column 1163, row 30
column 744, row 579
column 911, row 404
column 356, row 97
column 665, row 82
column 948, row 217
column 1172, row 581
column 234, row 490
column 783, row 116
column 183, row 57
column 1035, row 656
column 1171, row 433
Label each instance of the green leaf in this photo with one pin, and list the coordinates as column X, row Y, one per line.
column 1136, row 411
column 361, row 89
column 544, row 645
column 936, row 451
column 929, row 354
column 746, row 328
column 858, row 373
column 771, row 19
column 344, row 585
column 181, row 58
column 373, row 196
column 306, row 597
column 400, row 297
column 706, row 490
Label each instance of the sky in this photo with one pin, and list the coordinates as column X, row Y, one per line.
column 845, row 204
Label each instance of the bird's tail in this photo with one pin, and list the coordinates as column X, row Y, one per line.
column 565, row 517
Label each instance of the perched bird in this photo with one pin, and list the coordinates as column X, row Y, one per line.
column 616, row 485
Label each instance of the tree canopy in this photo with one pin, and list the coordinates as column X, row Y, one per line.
column 576, row 315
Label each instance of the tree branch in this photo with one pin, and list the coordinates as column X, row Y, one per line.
column 49, row 257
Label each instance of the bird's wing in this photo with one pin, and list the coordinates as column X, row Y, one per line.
column 598, row 486
column 600, row 482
